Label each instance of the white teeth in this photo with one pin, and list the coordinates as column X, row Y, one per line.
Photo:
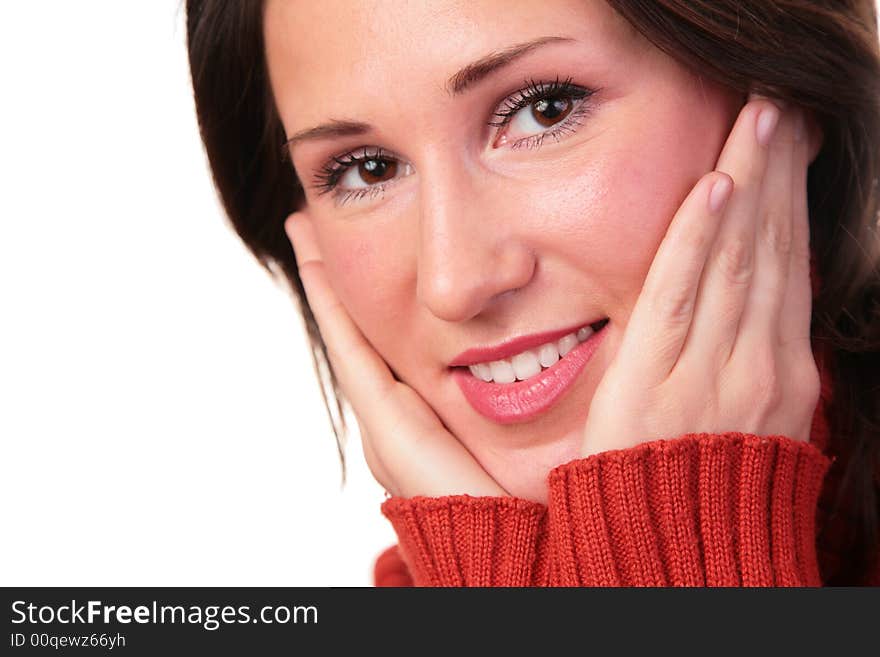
column 526, row 365
column 530, row 362
column 567, row 343
column 481, row 371
column 502, row 371
column 548, row 355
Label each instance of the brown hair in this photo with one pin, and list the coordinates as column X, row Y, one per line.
column 819, row 54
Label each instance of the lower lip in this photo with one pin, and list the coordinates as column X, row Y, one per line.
column 520, row 401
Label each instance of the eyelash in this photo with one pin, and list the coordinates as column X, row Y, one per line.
column 327, row 179
column 535, row 91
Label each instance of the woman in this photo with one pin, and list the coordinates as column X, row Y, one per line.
column 603, row 357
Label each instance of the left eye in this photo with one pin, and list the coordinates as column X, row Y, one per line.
column 533, row 112
column 536, row 117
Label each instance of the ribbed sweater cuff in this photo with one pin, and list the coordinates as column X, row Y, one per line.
column 461, row 540
column 729, row 509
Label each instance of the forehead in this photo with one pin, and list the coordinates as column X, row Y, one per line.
column 344, row 52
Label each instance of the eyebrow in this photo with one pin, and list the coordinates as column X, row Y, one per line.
column 467, row 78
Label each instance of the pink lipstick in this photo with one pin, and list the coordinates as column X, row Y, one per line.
column 520, row 401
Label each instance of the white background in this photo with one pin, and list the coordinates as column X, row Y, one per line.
column 160, row 421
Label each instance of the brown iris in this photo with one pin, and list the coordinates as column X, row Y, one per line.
column 377, row 170
column 549, row 111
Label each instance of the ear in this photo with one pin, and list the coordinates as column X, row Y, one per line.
column 301, row 233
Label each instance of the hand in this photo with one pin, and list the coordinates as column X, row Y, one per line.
column 719, row 339
column 407, row 448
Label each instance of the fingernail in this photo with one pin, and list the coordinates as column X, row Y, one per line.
column 767, row 121
column 719, row 194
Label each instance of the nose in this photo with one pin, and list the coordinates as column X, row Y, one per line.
column 471, row 254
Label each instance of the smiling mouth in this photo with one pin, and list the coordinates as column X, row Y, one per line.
column 531, row 362
column 509, row 399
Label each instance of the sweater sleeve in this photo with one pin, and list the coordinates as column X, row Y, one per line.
column 459, row 540
column 390, row 570
column 732, row 509
column 721, row 510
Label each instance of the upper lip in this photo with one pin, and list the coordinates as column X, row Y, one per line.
column 514, row 345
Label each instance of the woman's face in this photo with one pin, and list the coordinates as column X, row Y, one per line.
column 462, row 234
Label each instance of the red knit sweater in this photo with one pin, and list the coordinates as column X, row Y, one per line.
column 731, row 509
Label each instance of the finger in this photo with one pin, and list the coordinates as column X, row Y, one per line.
column 374, row 463
column 421, row 456
column 729, row 270
column 796, row 311
column 759, row 324
column 662, row 316
column 365, row 379
column 361, row 373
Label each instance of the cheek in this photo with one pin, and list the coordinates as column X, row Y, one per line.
column 654, row 175
column 367, row 277
column 613, row 205
column 650, row 182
